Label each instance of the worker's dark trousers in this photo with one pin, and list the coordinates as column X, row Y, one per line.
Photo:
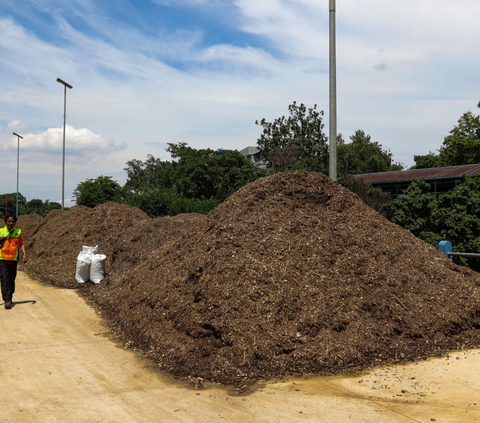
column 8, row 273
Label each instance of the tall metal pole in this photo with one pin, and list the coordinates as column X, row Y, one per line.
column 333, row 96
column 64, row 124
column 63, row 162
column 18, row 166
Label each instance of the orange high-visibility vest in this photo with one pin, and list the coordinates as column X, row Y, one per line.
column 11, row 246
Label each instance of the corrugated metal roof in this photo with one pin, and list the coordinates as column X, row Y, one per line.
column 415, row 174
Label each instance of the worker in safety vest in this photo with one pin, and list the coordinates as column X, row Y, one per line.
column 11, row 241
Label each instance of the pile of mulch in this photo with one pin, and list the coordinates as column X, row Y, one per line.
column 54, row 242
column 30, row 225
column 292, row 274
column 125, row 234
column 138, row 241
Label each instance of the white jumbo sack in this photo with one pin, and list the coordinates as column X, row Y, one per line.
column 82, row 273
column 97, row 268
column 90, row 250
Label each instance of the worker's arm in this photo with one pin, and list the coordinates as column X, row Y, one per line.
column 24, row 253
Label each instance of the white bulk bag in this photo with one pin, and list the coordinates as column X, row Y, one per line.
column 90, row 250
column 83, row 267
column 97, row 268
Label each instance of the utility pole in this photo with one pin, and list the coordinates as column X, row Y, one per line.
column 18, row 166
column 64, row 122
column 333, row 96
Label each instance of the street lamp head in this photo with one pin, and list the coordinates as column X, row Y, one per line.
column 64, row 83
column 19, row 136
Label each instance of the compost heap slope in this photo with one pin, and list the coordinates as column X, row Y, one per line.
column 29, row 224
column 125, row 234
column 292, row 274
column 138, row 241
column 53, row 245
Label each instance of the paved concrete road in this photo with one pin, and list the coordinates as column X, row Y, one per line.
column 59, row 364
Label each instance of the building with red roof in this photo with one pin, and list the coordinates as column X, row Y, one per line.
column 441, row 179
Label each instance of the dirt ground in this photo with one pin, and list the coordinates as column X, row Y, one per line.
column 293, row 274
column 58, row 363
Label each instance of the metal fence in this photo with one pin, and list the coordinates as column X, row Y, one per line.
column 446, row 247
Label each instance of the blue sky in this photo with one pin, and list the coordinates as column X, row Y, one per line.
column 149, row 72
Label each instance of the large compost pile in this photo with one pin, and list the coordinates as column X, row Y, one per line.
column 292, row 274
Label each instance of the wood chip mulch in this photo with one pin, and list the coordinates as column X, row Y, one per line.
column 291, row 275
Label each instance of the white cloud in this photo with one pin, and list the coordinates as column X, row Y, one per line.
column 406, row 71
column 42, row 150
column 81, row 141
column 16, row 125
column 296, row 28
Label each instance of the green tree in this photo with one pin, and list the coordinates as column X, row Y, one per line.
column 49, row 206
column 195, row 180
column 457, row 219
column 39, row 207
column 414, row 209
column 167, row 202
column 93, row 192
column 454, row 216
column 35, row 205
column 362, row 155
column 207, row 174
column 151, row 174
column 12, row 200
column 427, row 161
column 373, row 197
column 295, row 142
column 462, row 146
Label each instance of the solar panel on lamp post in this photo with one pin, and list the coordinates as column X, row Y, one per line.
column 18, row 166
column 65, row 84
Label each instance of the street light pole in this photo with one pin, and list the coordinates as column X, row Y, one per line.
column 18, row 165
column 333, row 95
column 64, row 123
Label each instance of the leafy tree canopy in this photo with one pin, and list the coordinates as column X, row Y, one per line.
column 167, row 202
column 94, row 192
column 35, row 205
column 362, row 155
column 151, row 174
column 454, row 216
column 12, row 199
column 195, row 181
column 374, row 197
column 296, row 141
column 427, row 161
column 39, row 207
column 461, row 147
column 207, row 174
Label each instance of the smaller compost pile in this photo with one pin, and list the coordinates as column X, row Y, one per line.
column 125, row 234
column 292, row 274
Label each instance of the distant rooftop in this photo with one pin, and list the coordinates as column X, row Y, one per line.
column 422, row 174
column 440, row 179
column 252, row 154
column 247, row 151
